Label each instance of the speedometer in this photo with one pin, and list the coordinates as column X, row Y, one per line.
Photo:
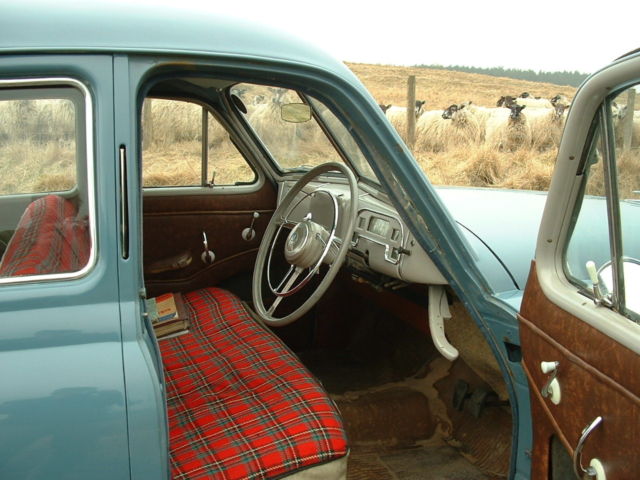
column 378, row 226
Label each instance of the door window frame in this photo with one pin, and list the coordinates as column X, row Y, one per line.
column 565, row 193
column 85, row 168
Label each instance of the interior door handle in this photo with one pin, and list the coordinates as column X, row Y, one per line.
column 551, row 389
column 595, row 470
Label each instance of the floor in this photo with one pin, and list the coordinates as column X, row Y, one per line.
column 395, row 396
column 437, row 462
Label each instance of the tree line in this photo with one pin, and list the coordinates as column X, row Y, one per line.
column 573, row 79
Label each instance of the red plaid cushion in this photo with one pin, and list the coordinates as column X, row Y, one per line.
column 48, row 239
column 240, row 404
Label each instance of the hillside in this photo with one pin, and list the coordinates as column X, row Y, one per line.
column 458, row 158
column 441, row 88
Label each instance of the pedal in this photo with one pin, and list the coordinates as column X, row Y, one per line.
column 460, row 394
column 482, row 398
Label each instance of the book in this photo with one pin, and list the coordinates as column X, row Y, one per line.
column 167, row 314
column 165, row 329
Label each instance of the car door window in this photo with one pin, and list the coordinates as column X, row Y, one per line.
column 604, row 231
column 45, row 193
column 174, row 136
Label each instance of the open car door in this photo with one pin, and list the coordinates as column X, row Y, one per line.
column 578, row 322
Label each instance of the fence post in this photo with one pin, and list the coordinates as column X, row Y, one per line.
column 411, row 111
column 627, row 121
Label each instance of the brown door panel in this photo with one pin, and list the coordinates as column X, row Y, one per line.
column 597, row 378
column 173, row 224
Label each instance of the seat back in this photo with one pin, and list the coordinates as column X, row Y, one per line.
column 49, row 239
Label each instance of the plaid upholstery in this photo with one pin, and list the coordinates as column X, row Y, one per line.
column 48, row 239
column 240, row 405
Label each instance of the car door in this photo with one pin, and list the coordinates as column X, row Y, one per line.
column 63, row 410
column 579, row 317
column 200, row 183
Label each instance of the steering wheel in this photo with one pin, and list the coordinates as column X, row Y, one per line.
column 308, row 245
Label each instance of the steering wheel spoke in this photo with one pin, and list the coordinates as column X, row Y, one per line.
column 286, row 280
column 290, row 277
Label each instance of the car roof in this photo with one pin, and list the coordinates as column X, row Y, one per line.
column 111, row 28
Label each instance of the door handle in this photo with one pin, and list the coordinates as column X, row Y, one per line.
column 595, row 470
column 551, row 389
column 207, row 256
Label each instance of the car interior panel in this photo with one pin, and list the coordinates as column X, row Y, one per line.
column 549, row 332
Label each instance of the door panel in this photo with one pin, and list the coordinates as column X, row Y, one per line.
column 596, row 379
column 173, row 224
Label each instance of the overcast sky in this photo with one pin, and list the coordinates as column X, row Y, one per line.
column 539, row 35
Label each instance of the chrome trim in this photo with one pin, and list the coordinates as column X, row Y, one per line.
column 613, row 209
column 90, row 186
column 362, row 233
column 124, row 203
column 578, row 469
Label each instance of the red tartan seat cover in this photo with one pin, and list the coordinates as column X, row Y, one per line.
column 240, row 404
column 48, row 239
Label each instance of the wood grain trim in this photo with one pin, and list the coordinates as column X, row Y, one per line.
column 249, row 213
column 597, row 377
column 586, row 342
column 542, row 402
column 568, row 354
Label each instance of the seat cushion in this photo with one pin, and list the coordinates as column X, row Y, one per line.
column 240, row 404
column 48, row 239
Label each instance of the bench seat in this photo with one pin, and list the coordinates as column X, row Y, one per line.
column 240, row 404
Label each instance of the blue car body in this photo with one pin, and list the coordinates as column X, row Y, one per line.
column 82, row 384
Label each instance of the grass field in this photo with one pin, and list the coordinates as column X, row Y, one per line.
column 172, row 156
column 469, row 165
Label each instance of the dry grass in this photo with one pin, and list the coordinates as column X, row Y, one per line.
column 37, row 146
column 171, row 154
column 441, row 88
column 29, row 167
column 460, row 160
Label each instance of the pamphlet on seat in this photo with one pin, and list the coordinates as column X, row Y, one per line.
column 167, row 314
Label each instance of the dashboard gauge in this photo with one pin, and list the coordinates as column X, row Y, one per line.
column 378, row 226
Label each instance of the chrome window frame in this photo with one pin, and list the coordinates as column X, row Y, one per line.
column 90, row 174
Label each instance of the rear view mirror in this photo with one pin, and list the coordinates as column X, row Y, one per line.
column 295, row 112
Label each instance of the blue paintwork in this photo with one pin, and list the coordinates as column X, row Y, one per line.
column 494, row 216
column 63, row 400
column 112, row 28
column 80, row 349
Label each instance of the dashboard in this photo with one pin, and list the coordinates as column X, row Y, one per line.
column 381, row 242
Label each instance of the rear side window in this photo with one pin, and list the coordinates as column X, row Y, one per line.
column 45, row 198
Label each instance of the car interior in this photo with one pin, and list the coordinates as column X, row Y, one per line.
column 323, row 261
column 310, row 348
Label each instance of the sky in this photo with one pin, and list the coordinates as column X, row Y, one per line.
column 542, row 35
